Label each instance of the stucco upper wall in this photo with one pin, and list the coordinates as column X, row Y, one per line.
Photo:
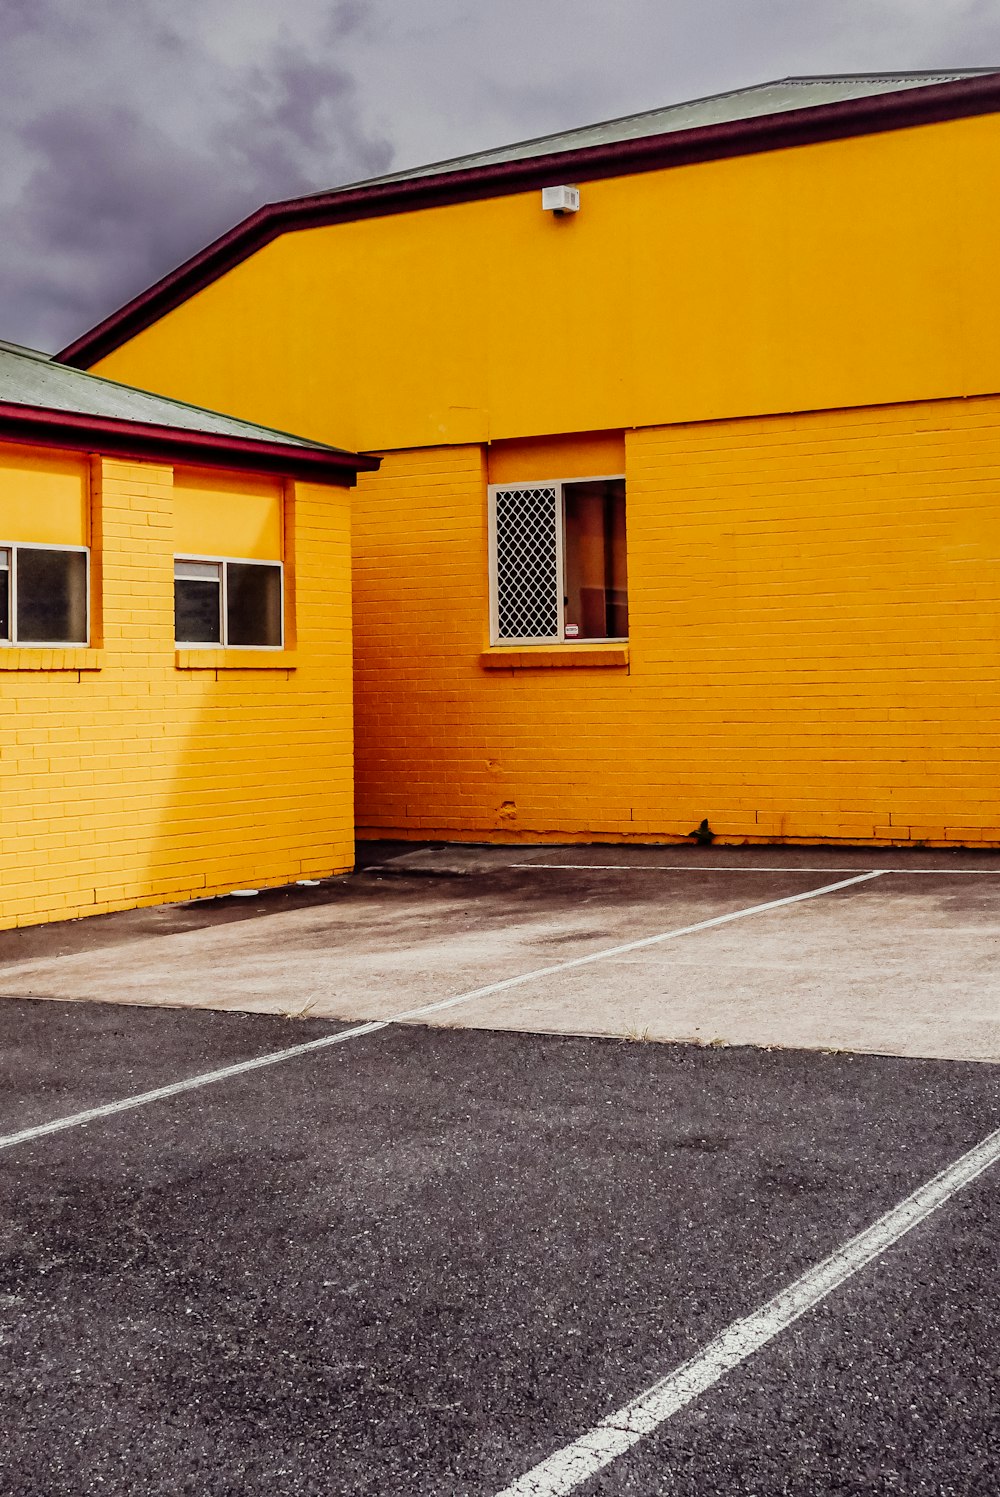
column 848, row 273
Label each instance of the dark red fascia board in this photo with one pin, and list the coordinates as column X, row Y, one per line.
column 901, row 110
column 145, row 441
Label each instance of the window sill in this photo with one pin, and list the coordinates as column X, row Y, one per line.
column 556, row 657
column 235, row 660
column 42, row 658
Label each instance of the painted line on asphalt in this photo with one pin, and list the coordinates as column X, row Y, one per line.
column 405, row 1016
column 575, row 1463
column 745, row 868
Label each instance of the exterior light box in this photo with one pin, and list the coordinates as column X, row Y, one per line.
column 560, row 200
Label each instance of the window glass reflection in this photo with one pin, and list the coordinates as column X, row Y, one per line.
column 594, row 560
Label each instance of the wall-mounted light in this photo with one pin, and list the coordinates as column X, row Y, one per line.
column 561, row 200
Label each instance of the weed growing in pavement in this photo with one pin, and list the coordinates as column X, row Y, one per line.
column 637, row 1035
column 298, row 1013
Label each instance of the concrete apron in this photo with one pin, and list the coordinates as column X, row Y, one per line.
column 906, row 964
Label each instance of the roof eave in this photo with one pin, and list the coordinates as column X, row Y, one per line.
column 147, row 442
column 871, row 114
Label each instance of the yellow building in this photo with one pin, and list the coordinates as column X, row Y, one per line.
column 175, row 639
column 688, row 506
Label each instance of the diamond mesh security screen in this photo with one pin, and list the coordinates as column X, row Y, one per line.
column 526, row 560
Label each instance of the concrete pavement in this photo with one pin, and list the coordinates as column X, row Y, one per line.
column 906, row 964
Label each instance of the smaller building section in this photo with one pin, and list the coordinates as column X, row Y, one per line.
column 175, row 649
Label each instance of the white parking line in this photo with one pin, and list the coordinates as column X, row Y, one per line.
column 405, row 1016
column 565, row 1470
column 745, row 868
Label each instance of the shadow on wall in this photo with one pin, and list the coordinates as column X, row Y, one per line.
column 135, row 772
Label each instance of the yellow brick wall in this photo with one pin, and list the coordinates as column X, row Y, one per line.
column 814, row 643
column 127, row 780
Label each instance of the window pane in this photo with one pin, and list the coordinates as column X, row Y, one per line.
column 526, row 580
column 202, row 571
column 4, row 594
column 594, row 558
column 51, row 596
column 253, row 604
column 198, row 605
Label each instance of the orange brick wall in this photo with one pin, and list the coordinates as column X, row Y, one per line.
column 131, row 774
column 814, row 650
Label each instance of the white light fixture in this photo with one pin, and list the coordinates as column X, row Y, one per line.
column 560, row 200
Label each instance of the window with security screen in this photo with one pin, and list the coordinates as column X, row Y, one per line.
column 557, row 561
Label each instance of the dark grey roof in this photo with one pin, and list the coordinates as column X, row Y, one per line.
column 32, row 379
column 741, row 104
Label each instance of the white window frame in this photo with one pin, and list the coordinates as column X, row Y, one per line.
column 40, row 644
column 559, row 484
column 223, row 562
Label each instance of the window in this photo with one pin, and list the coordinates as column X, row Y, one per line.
column 557, row 561
column 44, row 595
column 231, row 603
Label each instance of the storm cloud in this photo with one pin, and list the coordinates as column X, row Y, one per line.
column 134, row 134
column 153, row 150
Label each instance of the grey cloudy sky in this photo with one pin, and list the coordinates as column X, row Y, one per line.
column 135, row 131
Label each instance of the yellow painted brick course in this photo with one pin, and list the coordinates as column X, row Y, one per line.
column 129, row 781
column 814, row 647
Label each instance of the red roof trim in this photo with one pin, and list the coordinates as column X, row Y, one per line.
column 139, row 439
column 901, row 110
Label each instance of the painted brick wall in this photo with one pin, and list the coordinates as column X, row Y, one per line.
column 814, row 643
column 127, row 779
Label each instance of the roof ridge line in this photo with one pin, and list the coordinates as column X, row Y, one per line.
column 534, row 140
column 972, row 94
column 433, row 167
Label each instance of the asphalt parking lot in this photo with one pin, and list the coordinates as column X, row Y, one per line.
column 385, row 1186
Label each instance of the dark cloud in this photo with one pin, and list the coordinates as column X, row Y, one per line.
column 347, row 19
column 115, row 195
column 24, row 17
column 293, row 116
column 132, row 135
